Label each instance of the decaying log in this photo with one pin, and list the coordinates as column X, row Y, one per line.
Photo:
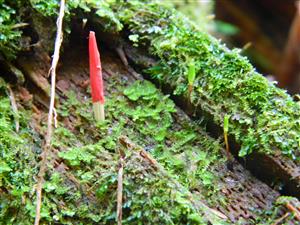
column 266, row 167
column 270, row 166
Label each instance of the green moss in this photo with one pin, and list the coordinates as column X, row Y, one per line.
column 9, row 35
column 14, row 13
column 92, row 165
column 47, row 8
column 83, row 186
column 16, row 176
column 164, row 203
column 152, row 110
column 141, row 112
column 100, row 8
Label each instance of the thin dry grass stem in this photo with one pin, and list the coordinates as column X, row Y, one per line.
column 227, row 145
column 120, row 187
column 14, row 107
column 279, row 221
column 47, row 145
column 55, row 117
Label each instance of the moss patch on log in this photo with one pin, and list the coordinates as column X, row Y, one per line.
column 18, row 163
column 262, row 116
column 149, row 119
column 81, row 177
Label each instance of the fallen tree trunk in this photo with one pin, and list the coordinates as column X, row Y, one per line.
column 264, row 120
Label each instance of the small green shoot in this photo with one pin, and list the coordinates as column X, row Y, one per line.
column 191, row 73
column 226, row 123
column 226, row 128
column 191, row 77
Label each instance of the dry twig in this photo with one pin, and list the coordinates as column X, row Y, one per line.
column 121, row 53
column 293, row 210
column 47, row 146
column 19, row 25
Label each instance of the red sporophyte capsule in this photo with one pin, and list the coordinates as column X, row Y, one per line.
column 96, row 78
